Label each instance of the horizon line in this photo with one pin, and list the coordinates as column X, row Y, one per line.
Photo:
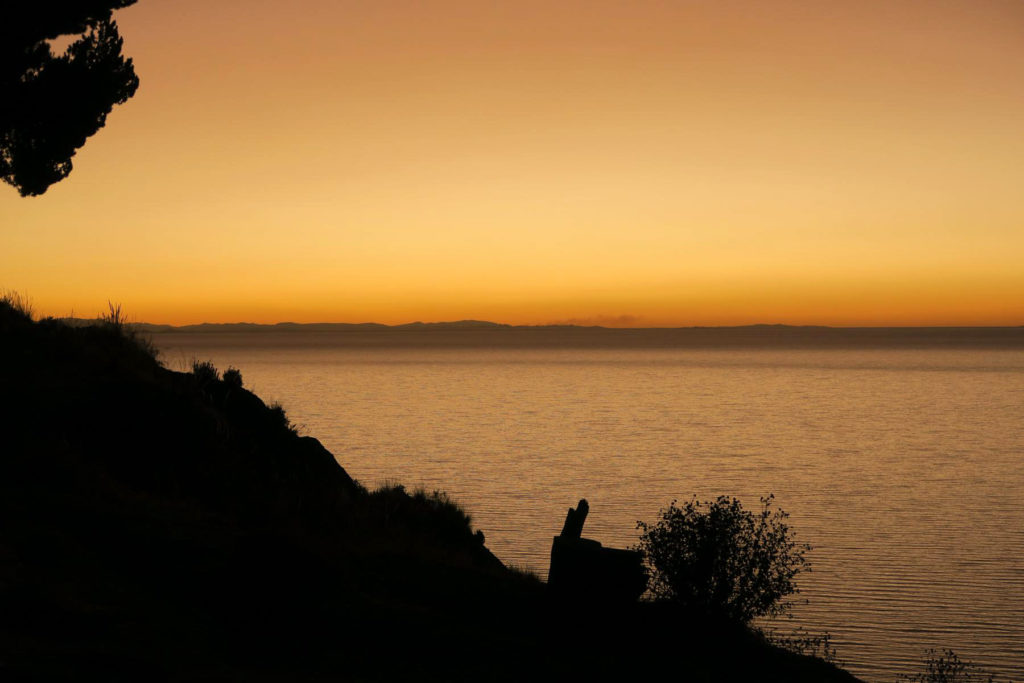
column 474, row 323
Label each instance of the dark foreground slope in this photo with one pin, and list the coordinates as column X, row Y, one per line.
column 157, row 525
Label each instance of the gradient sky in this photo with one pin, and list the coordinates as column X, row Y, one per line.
column 650, row 162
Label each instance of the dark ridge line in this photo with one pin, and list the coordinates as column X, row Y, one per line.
column 483, row 325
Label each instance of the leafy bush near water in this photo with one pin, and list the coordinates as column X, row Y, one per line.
column 719, row 560
column 944, row 666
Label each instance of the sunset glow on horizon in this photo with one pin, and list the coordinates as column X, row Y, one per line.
column 649, row 163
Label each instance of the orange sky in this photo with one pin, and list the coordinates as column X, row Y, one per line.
column 652, row 162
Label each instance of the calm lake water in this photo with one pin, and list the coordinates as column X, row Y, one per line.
column 904, row 469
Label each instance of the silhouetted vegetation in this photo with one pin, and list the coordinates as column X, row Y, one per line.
column 717, row 559
column 233, row 377
column 51, row 103
column 802, row 642
column 162, row 525
column 114, row 320
column 205, row 372
column 944, row 666
column 17, row 304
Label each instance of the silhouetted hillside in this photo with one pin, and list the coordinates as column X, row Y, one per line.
column 160, row 525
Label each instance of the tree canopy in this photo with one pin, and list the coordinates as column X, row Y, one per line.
column 51, row 103
column 722, row 561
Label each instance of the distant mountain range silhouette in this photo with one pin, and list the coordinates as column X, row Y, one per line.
column 488, row 325
column 302, row 327
column 469, row 333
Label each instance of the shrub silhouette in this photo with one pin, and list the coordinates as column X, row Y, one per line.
column 17, row 303
column 722, row 561
column 205, row 372
column 946, row 667
column 280, row 420
column 233, row 377
column 115, row 322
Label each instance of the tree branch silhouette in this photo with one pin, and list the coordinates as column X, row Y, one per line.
column 50, row 104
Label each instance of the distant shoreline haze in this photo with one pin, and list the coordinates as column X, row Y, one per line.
column 478, row 333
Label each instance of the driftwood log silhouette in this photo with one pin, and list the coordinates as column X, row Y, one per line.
column 581, row 568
